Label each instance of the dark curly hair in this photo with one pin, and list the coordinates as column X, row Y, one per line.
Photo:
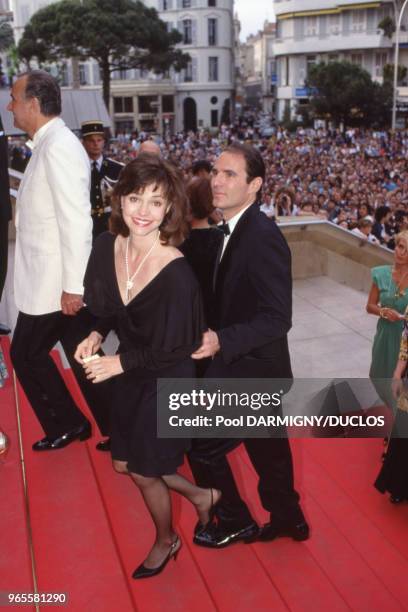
column 148, row 169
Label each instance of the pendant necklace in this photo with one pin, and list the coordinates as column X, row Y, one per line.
column 129, row 280
column 399, row 292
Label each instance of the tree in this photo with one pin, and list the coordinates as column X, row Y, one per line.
column 118, row 34
column 388, row 73
column 6, row 41
column 6, row 36
column 345, row 93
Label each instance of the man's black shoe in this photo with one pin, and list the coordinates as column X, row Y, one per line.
column 83, row 432
column 270, row 532
column 104, row 445
column 213, row 536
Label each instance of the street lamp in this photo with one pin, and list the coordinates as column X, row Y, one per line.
column 396, row 59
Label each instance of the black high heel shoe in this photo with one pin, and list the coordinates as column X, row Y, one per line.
column 211, row 512
column 149, row 572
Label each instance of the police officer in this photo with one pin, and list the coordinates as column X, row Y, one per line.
column 104, row 173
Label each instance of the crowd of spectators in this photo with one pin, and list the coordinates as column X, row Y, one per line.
column 357, row 179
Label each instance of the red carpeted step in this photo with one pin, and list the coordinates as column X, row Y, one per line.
column 74, row 548
column 354, row 466
column 15, row 559
column 206, row 572
column 344, row 566
column 355, row 524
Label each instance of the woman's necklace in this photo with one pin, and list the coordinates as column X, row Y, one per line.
column 130, row 279
column 398, row 292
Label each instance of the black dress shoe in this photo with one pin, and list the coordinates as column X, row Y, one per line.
column 149, row 572
column 83, row 432
column 297, row 532
column 213, row 536
column 396, row 499
column 104, row 445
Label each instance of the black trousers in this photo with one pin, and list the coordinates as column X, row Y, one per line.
column 33, row 339
column 270, row 457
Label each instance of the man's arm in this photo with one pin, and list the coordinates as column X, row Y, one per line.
column 68, row 173
column 269, row 266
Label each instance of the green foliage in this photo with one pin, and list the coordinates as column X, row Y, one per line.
column 118, row 34
column 345, row 93
column 387, row 25
column 6, row 36
column 388, row 73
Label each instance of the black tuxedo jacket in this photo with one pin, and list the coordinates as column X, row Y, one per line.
column 252, row 308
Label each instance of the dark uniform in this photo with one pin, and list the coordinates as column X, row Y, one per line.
column 103, row 179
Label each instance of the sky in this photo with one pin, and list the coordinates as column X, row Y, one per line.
column 252, row 14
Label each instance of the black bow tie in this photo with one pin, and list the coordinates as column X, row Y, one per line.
column 224, row 228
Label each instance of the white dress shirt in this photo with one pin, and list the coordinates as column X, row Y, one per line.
column 232, row 225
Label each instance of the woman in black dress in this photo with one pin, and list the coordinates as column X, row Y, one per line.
column 139, row 284
column 393, row 476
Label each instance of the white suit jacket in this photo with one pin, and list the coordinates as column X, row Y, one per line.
column 53, row 221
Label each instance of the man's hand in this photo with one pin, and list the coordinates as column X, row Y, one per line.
column 210, row 346
column 88, row 347
column 71, row 303
column 103, row 368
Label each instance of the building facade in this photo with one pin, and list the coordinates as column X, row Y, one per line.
column 313, row 31
column 257, row 67
column 199, row 96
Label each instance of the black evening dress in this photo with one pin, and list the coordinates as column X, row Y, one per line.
column 157, row 330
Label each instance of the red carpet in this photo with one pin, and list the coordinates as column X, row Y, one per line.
column 90, row 534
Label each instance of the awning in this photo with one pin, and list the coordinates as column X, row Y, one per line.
column 78, row 105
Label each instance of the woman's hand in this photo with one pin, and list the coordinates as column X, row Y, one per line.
column 88, row 347
column 391, row 315
column 103, row 368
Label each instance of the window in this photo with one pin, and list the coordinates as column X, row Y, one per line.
column 380, row 62
column 311, row 26
column 213, row 68
column 214, row 118
column 187, row 32
column 123, row 104
column 168, row 104
column 147, row 104
column 310, row 62
column 334, row 24
column 83, row 74
column 212, row 32
column 64, row 76
column 357, row 20
column 186, row 4
column 333, row 57
column 212, row 2
column 357, row 58
column 188, row 73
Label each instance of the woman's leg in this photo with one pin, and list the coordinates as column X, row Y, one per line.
column 157, row 499
column 202, row 499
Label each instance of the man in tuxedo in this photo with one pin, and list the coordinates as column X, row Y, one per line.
column 53, row 242
column 252, row 310
column 5, row 213
column 104, row 174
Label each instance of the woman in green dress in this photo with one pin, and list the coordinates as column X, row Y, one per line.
column 388, row 300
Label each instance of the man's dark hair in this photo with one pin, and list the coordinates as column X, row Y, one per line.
column 254, row 163
column 201, row 164
column 44, row 87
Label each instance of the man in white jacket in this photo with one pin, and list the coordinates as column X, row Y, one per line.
column 53, row 243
